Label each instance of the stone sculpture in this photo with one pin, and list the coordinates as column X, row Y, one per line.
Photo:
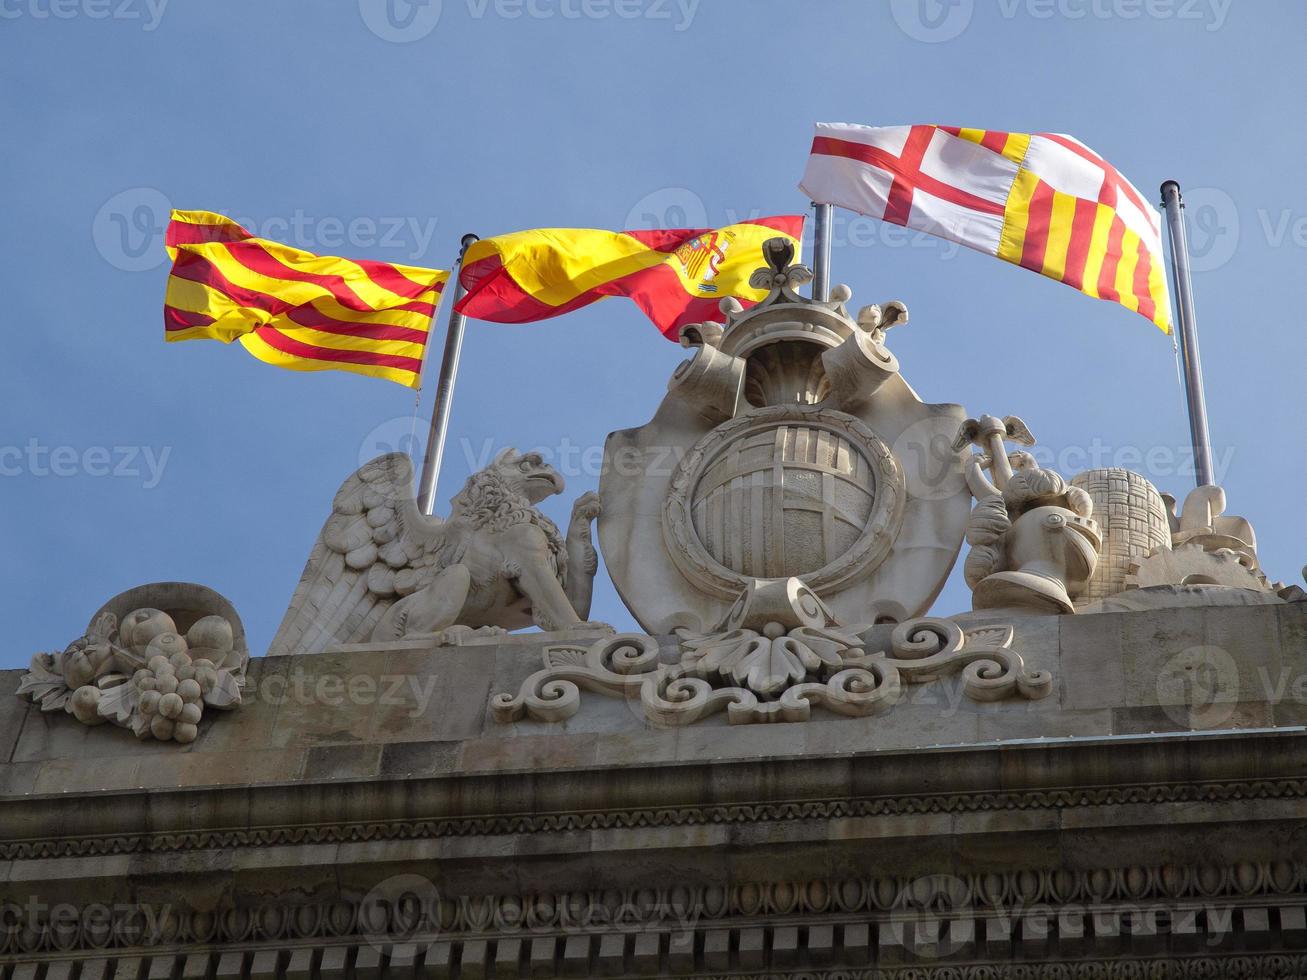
column 1208, row 547
column 1132, row 521
column 151, row 660
column 1163, row 556
column 778, row 653
column 1033, row 542
column 788, row 446
column 381, row 570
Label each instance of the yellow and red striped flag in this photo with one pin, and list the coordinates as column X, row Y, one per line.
column 1043, row 201
column 295, row 309
column 676, row 276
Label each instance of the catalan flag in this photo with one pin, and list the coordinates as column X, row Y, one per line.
column 676, row 276
column 1042, row 201
column 295, row 309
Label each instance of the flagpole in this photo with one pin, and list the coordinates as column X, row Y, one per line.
column 1173, row 204
column 821, row 252
column 444, row 388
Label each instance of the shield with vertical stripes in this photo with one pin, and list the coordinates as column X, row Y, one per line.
column 780, row 491
column 784, row 500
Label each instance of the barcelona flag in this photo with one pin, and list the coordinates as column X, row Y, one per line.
column 1043, row 201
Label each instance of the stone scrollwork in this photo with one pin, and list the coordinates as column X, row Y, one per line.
column 616, row 666
column 778, row 652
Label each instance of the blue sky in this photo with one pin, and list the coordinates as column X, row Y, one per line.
column 384, row 132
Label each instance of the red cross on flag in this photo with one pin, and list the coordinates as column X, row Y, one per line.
column 1043, row 201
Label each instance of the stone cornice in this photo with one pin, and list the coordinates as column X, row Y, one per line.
column 1027, row 777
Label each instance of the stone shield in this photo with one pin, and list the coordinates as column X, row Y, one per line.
column 867, row 506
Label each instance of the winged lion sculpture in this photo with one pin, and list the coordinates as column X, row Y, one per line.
column 382, row 570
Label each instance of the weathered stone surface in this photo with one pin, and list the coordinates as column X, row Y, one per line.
column 604, row 844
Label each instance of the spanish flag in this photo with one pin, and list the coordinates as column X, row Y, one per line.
column 295, row 309
column 1043, row 201
column 677, row 276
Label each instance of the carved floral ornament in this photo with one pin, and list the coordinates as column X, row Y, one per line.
column 778, row 652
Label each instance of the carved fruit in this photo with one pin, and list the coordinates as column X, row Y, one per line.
column 188, row 690
column 212, row 655
column 165, row 683
column 161, row 728
column 166, row 645
column 184, row 732
column 149, row 702
column 190, row 714
column 140, row 627
column 206, row 675
column 85, row 704
column 170, row 706
column 157, row 664
column 78, row 669
column 213, row 632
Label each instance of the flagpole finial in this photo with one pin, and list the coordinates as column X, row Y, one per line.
column 782, row 275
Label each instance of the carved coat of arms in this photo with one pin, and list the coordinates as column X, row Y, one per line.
column 788, row 446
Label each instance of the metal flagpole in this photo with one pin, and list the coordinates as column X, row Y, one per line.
column 444, row 389
column 1173, row 204
column 821, row 252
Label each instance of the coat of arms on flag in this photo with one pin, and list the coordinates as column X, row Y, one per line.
column 701, row 257
column 677, row 276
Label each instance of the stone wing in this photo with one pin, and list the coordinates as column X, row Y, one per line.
column 374, row 548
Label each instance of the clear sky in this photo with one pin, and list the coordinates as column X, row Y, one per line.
column 356, row 128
